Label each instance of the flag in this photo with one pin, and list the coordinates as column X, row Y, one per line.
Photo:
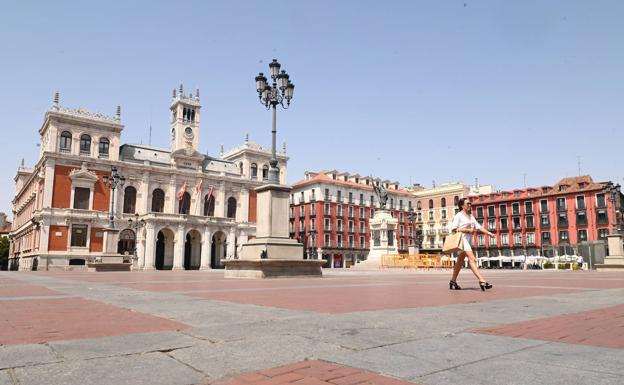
column 198, row 186
column 181, row 192
column 209, row 194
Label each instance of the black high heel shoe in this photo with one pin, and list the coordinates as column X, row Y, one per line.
column 485, row 285
column 453, row 285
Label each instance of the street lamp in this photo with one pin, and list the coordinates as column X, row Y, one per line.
column 115, row 180
column 614, row 193
column 280, row 90
column 136, row 224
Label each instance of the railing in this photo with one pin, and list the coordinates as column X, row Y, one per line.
column 431, row 232
column 416, row 261
column 443, row 231
column 64, row 150
column 102, row 155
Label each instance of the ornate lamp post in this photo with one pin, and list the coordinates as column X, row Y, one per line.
column 271, row 96
column 115, row 180
column 136, row 224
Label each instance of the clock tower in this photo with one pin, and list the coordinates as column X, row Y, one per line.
column 185, row 128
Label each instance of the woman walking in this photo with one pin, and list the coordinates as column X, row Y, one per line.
column 465, row 223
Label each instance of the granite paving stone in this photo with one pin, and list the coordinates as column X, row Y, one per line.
column 12, row 356
column 152, row 368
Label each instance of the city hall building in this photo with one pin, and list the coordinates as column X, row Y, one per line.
column 176, row 209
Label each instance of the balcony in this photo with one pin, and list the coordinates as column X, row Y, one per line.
column 443, row 231
column 85, row 153
column 102, row 155
column 430, row 232
column 64, row 150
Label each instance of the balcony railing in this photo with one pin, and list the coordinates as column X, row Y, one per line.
column 443, row 231
column 102, row 155
column 64, row 150
column 430, row 232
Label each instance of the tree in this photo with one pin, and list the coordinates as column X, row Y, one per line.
column 4, row 253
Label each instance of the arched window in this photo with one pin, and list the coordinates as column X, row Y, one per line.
column 418, row 205
column 85, row 144
column 254, row 171
column 430, row 203
column 185, row 204
column 231, row 207
column 443, row 202
column 103, row 147
column 129, row 206
column 265, row 172
column 66, row 142
column 209, row 206
column 158, row 201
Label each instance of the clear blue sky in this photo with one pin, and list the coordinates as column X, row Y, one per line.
column 408, row 90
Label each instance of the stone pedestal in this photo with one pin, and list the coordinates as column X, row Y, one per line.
column 383, row 239
column 272, row 253
column 110, row 259
column 615, row 259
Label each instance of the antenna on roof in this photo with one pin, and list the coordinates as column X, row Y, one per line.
column 524, row 179
column 578, row 160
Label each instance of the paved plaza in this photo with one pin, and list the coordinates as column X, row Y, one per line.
column 349, row 327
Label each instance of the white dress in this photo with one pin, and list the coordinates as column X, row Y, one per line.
column 462, row 221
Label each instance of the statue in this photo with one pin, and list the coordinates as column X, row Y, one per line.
column 381, row 193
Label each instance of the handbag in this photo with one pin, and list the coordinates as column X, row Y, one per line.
column 453, row 243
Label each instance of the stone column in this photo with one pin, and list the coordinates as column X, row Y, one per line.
column 170, row 204
column 242, row 215
column 44, row 236
column 144, row 206
column 48, row 187
column 140, row 249
column 221, row 206
column 206, row 252
column 178, row 249
column 150, row 247
column 230, row 244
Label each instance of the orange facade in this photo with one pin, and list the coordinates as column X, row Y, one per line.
column 62, row 189
column 97, row 239
column 253, row 204
column 58, row 238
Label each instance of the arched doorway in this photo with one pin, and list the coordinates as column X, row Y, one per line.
column 164, row 250
column 127, row 242
column 192, row 250
column 218, row 248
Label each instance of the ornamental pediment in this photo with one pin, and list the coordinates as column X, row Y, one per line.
column 82, row 174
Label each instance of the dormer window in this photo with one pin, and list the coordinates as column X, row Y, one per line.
column 562, row 187
column 65, row 142
column 85, row 144
column 581, row 185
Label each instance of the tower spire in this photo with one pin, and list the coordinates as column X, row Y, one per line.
column 181, row 89
column 118, row 113
column 55, row 103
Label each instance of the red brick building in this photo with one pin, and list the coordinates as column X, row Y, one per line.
column 547, row 220
column 330, row 213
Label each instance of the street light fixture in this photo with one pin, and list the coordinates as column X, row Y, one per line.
column 280, row 90
column 115, row 180
column 136, row 224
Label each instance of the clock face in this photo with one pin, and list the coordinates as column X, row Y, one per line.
column 188, row 132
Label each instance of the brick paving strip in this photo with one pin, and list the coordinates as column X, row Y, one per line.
column 313, row 372
column 39, row 321
column 600, row 328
